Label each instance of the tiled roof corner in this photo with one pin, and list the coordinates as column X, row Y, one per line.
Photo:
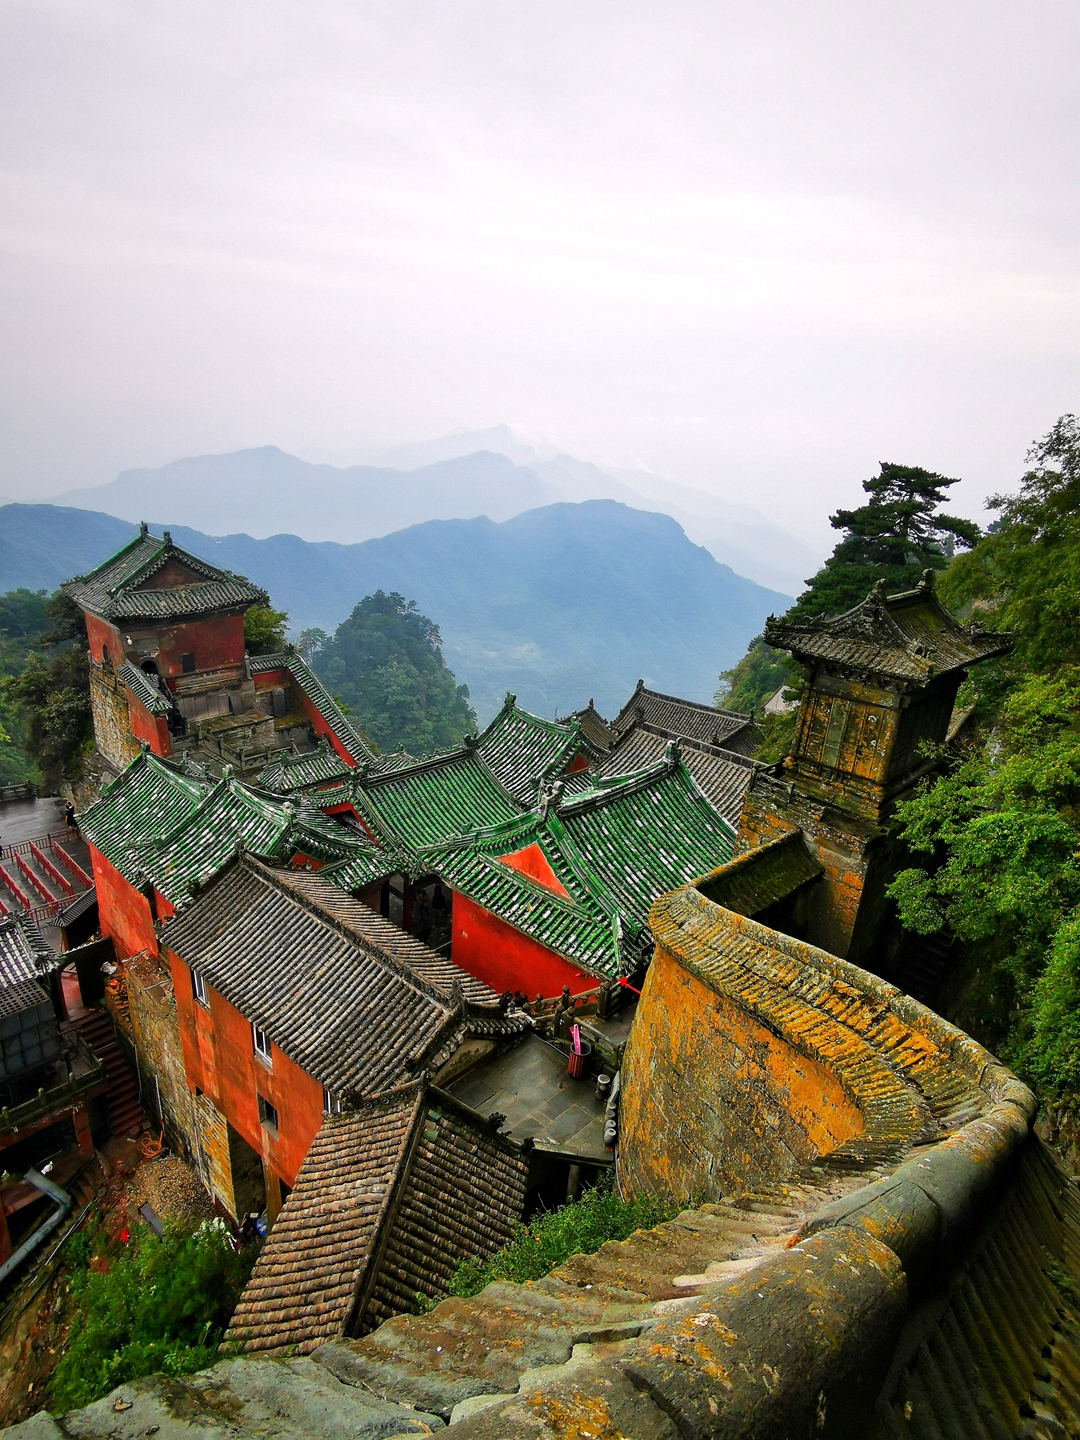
column 112, row 589
column 909, row 636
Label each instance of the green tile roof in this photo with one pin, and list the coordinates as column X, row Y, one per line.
column 305, row 678
column 113, row 590
column 155, row 822
column 429, row 801
column 232, row 815
column 290, row 773
column 521, row 750
column 614, row 848
column 151, row 797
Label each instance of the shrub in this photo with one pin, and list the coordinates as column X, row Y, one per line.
column 151, row 1305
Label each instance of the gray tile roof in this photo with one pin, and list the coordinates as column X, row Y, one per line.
column 909, row 636
column 389, row 1199
column 352, row 1000
column 723, row 775
column 686, row 719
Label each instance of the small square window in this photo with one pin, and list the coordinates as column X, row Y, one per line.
column 187, row 664
column 268, row 1116
column 331, row 1103
column 198, row 986
column 261, row 1042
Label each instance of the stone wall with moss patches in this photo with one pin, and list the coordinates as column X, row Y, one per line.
column 713, row 1100
column 112, row 719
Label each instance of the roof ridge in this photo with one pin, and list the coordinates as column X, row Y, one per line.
column 331, row 922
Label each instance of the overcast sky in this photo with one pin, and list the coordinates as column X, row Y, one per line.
column 756, row 248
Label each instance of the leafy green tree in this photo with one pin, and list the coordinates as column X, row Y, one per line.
column 22, row 618
column 386, row 662
column 310, row 642
column 1025, row 574
column 265, row 630
column 998, row 836
column 49, row 694
column 894, row 537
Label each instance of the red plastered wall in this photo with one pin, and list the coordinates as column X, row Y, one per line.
column 215, row 641
column 219, row 1059
column 123, row 912
column 151, row 728
column 505, row 959
column 100, row 633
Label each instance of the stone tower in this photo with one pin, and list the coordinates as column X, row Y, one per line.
column 881, row 685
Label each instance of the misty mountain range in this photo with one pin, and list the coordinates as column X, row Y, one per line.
column 493, row 473
column 559, row 603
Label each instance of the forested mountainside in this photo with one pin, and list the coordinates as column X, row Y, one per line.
column 558, row 604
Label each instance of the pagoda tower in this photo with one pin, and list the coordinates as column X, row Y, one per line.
column 880, row 691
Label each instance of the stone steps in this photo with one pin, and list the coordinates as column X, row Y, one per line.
column 416, row 1373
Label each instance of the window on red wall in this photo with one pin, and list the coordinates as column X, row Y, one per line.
column 268, row 1116
column 198, row 987
column 187, row 664
column 261, row 1044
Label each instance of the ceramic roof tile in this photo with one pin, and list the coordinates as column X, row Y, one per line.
column 24, row 955
column 723, row 775
column 909, row 636
column 686, row 719
column 289, row 773
column 150, row 798
column 357, row 1004
column 614, row 849
column 230, row 815
column 143, row 688
column 391, row 1197
column 114, row 589
column 594, row 727
column 432, row 800
column 759, row 878
column 305, row 1281
column 521, row 749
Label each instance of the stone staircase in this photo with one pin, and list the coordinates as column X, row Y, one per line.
column 469, row 1358
column 126, row 1118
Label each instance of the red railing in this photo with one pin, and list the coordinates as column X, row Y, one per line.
column 73, row 865
column 35, row 880
column 51, row 870
column 5, row 879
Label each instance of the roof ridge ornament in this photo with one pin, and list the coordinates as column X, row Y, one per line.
column 144, row 529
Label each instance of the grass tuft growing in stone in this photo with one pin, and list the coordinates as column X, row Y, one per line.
column 577, row 1228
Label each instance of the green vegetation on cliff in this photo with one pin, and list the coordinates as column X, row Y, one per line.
column 998, row 835
column 44, row 689
column 150, row 1305
column 579, row 1227
column 386, row 662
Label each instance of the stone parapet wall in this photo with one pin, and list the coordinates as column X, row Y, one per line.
column 753, row 1054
